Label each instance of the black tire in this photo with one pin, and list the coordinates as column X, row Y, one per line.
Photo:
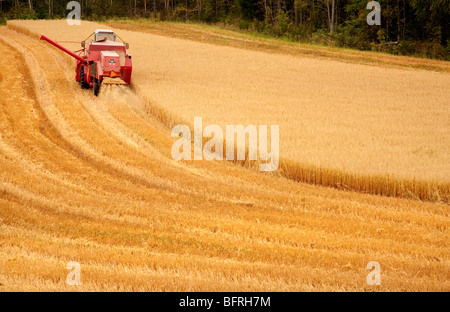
column 83, row 84
column 96, row 88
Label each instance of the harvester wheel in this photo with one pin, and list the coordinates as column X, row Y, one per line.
column 83, row 84
column 96, row 88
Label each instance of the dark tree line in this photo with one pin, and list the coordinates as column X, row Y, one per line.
column 407, row 26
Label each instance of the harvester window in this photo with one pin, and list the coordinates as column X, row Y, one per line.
column 105, row 36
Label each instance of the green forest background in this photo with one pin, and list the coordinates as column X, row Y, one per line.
column 414, row 27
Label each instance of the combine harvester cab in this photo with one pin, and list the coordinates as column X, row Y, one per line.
column 104, row 60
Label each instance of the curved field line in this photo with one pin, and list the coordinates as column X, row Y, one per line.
column 209, row 226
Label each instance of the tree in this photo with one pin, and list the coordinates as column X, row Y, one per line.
column 50, row 8
column 199, row 7
column 331, row 3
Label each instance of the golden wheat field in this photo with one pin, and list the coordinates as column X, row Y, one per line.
column 375, row 129
column 92, row 179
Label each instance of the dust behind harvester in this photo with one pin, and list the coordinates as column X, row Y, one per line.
column 101, row 61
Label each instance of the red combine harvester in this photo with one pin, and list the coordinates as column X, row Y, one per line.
column 104, row 60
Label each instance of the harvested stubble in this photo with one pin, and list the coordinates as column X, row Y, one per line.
column 91, row 180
